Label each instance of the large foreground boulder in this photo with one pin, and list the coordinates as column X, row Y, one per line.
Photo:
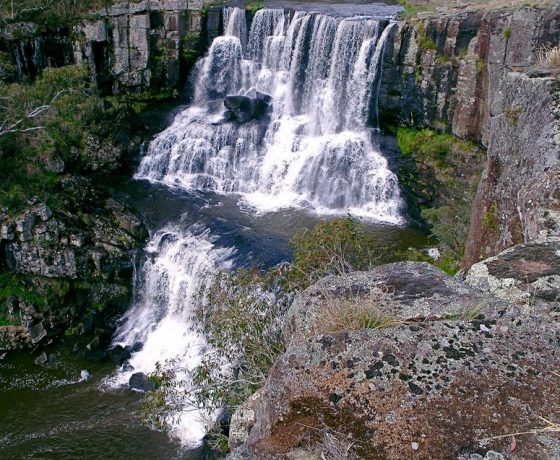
column 441, row 383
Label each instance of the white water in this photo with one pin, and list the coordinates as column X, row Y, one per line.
column 315, row 150
column 179, row 266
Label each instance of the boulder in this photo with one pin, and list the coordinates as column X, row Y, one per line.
column 418, row 290
column 42, row 359
column 119, row 354
column 440, row 383
column 443, row 387
column 527, row 275
column 244, row 108
column 139, row 382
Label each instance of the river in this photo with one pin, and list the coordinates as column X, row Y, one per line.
column 218, row 194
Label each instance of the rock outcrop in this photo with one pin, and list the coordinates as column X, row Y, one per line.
column 139, row 45
column 127, row 46
column 476, row 74
column 460, row 372
column 517, row 199
column 441, row 71
column 65, row 271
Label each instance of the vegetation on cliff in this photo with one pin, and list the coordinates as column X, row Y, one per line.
column 446, row 175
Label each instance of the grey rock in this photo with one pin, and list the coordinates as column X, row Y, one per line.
column 139, row 382
column 419, row 290
column 526, row 275
column 37, row 332
column 42, row 359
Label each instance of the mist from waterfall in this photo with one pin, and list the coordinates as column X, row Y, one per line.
column 314, row 149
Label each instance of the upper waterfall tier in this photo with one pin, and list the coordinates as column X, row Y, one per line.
column 314, row 78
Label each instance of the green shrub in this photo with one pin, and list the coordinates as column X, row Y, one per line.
column 506, row 33
column 426, row 143
column 334, row 247
column 425, row 42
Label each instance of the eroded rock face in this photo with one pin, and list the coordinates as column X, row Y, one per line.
column 131, row 45
column 517, row 197
column 65, row 267
column 443, row 70
column 428, row 389
column 527, row 275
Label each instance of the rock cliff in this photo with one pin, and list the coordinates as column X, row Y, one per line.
column 476, row 74
column 66, row 272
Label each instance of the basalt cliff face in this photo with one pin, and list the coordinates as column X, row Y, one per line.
column 127, row 46
column 477, row 75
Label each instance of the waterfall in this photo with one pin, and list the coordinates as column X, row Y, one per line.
column 179, row 265
column 319, row 76
column 309, row 82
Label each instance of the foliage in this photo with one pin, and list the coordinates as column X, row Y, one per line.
column 49, row 13
column 50, row 117
column 506, row 33
column 427, row 144
column 14, row 286
column 449, row 216
column 425, row 42
column 254, row 6
column 480, row 66
column 490, row 220
column 241, row 319
column 512, row 115
column 334, row 247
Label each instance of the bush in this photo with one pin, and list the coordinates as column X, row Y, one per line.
column 51, row 116
column 241, row 317
column 331, row 248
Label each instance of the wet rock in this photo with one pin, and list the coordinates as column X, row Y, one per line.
column 42, row 359
column 244, row 109
column 139, row 382
column 127, row 367
column 95, row 344
column 137, row 347
column 119, row 355
column 36, row 333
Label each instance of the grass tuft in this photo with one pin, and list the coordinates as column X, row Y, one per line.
column 373, row 311
column 549, row 56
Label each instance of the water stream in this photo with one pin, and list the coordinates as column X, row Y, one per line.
column 220, row 193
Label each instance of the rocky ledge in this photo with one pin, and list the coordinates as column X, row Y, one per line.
column 66, row 271
column 467, row 369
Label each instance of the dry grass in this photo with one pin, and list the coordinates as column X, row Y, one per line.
column 447, row 6
column 373, row 311
column 336, row 446
column 549, row 57
column 550, row 427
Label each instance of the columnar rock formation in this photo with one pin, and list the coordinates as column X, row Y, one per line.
column 476, row 75
column 132, row 45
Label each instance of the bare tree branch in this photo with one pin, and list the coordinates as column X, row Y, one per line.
column 8, row 127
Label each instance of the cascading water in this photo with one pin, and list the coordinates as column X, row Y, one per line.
column 314, row 147
column 179, row 265
column 317, row 75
